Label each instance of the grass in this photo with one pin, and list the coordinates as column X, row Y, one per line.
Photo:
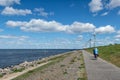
column 109, row 53
column 18, row 70
column 73, row 60
column 32, row 72
column 83, row 74
column 62, row 65
column 65, row 72
column 1, row 75
column 81, row 79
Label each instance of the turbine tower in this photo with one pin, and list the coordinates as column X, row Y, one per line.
column 94, row 35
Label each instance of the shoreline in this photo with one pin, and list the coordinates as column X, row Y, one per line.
column 27, row 66
column 65, row 67
column 14, row 75
column 12, row 57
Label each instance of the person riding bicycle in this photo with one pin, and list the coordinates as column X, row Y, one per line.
column 95, row 52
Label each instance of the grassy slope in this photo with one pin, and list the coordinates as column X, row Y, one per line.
column 110, row 53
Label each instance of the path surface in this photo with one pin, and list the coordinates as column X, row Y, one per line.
column 100, row 69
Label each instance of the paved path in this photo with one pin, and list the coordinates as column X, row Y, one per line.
column 100, row 69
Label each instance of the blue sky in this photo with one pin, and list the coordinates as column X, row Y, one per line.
column 58, row 24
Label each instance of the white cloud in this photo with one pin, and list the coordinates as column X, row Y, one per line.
column 105, row 29
column 113, row 4
column 78, row 27
column 117, row 40
column 12, row 11
column 16, row 23
column 104, row 14
column 13, row 41
column 38, row 25
column 95, row 5
column 117, row 36
column 98, row 5
column 118, row 32
column 41, row 12
column 13, row 37
column 9, row 2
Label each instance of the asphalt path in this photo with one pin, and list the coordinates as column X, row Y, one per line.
column 100, row 69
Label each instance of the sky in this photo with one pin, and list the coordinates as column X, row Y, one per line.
column 58, row 24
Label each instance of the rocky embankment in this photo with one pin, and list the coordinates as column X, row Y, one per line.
column 23, row 66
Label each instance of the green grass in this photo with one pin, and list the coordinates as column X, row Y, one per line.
column 1, row 75
column 81, row 79
column 82, row 69
column 65, row 72
column 109, row 53
column 18, row 70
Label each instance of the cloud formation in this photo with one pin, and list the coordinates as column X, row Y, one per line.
column 13, row 37
column 117, row 36
column 41, row 12
column 12, row 11
column 78, row 27
column 113, row 4
column 98, row 5
column 95, row 5
column 118, row 32
column 39, row 25
column 16, row 23
column 9, row 2
column 105, row 29
column 104, row 14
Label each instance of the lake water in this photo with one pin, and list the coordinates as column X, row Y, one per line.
column 10, row 57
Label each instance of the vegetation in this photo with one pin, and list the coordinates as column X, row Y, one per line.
column 31, row 72
column 62, row 65
column 109, row 53
column 81, row 79
column 1, row 75
column 18, row 70
column 65, row 70
column 83, row 74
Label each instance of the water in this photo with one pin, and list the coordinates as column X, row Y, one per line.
column 10, row 57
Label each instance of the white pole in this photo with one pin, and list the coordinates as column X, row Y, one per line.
column 94, row 40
